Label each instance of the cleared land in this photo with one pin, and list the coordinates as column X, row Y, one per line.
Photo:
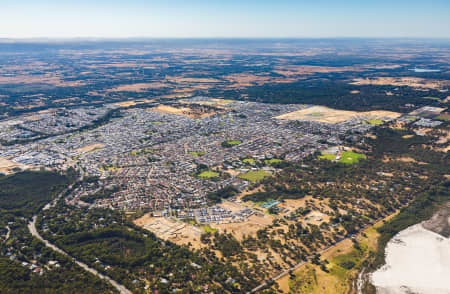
column 7, row 166
column 167, row 229
column 402, row 81
column 132, row 103
column 249, row 227
column 89, row 148
column 332, row 116
column 192, row 112
column 139, row 87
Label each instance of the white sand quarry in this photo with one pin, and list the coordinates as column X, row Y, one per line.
column 417, row 261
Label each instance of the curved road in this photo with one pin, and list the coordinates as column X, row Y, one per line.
column 35, row 233
column 7, row 233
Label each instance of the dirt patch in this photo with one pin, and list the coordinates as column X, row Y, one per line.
column 245, row 228
column 175, row 231
column 332, row 116
column 403, row 159
column 139, row 87
column 7, row 166
column 132, row 103
column 402, row 81
column 316, row 218
column 89, row 148
column 40, row 79
column 296, row 70
column 197, row 111
column 246, row 80
column 191, row 80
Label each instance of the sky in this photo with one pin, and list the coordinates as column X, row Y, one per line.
column 224, row 18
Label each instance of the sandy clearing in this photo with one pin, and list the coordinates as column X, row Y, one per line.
column 198, row 112
column 133, row 102
column 332, row 116
column 246, row 228
column 403, row 159
column 175, row 231
column 316, row 218
column 212, row 102
column 294, row 70
column 40, row 79
column 191, row 80
column 139, row 87
column 7, row 166
column 89, row 148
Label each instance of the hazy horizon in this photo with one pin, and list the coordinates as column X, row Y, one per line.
column 118, row 19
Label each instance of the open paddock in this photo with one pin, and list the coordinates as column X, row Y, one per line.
column 333, row 116
column 196, row 111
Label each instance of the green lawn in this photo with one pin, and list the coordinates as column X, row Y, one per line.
column 351, row 157
column 375, row 122
column 254, row 176
column 316, row 114
column 208, row 229
column 208, row 174
column 432, row 98
column 248, row 160
column 327, row 156
column 273, row 160
column 230, row 143
column 199, row 153
column 411, row 118
column 234, row 142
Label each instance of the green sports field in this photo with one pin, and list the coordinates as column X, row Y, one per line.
column 351, row 157
column 327, row 156
column 375, row 122
column 254, row 176
column 208, row 174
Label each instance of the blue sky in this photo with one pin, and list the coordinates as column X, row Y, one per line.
column 226, row 18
